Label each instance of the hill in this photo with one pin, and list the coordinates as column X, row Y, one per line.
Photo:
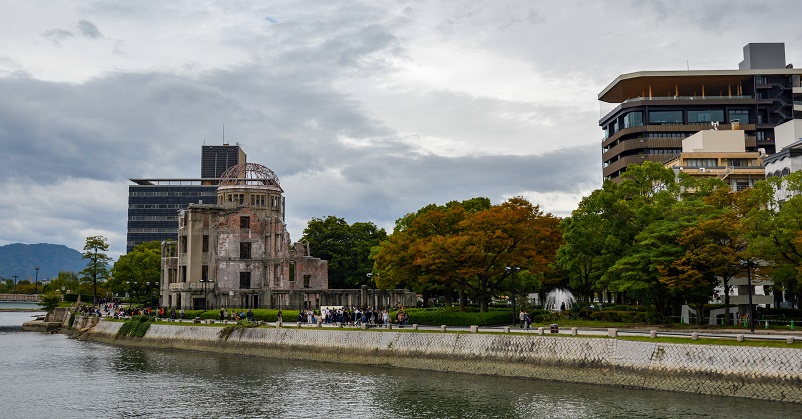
column 20, row 259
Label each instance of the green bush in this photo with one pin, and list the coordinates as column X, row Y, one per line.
column 623, row 307
column 621, row 316
column 453, row 317
column 137, row 326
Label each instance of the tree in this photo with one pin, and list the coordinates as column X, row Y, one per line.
column 135, row 269
column 97, row 266
column 346, row 247
column 467, row 246
column 50, row 301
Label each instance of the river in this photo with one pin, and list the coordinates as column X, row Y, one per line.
column 44, row 375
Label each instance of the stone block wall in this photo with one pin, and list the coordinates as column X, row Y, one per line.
column 742, row 371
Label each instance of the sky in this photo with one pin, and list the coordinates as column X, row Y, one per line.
column 366, row 110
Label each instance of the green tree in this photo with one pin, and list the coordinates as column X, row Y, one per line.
column 50, row 301
column 346, row 248
column 98, row 262
column 136, row 269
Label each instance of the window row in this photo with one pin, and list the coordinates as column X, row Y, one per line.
column 173, row 193
column 153, row 218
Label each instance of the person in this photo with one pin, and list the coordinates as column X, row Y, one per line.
column 521, row 317
column 181, row 313
column 222, row 314
column 278, row 316
column 562, row 306
column 249, row 315
column 528, row 320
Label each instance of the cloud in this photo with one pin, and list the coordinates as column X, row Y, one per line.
column 58, row 35
column 88, row 29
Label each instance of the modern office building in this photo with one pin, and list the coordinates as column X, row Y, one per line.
column 655, row 110
column 153, row 204
column 788, row 158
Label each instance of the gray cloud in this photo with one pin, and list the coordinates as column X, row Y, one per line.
column 58, row 35
column 89, row 30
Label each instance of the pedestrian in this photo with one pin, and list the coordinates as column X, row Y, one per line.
column 521, row 317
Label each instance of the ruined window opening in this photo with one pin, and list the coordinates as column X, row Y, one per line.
column 278, row 243
column 244, row 280
column 307, row 280
column 292, row 271
column 183, row 274
column 276, row 274
column 244, row 222
column 205, row 273
column 205, row 243
column 183, row 244
column 267, row 245
column 274, row 201
column 245, row 250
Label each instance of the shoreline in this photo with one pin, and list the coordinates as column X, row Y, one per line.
column 759, row 373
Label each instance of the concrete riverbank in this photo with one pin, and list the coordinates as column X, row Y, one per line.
column 738, row 371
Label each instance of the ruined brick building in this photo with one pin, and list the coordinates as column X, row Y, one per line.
column 238, row 253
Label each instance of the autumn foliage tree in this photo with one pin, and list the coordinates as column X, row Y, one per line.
column 467, row 246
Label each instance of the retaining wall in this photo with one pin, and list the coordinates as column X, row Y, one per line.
column 740, row 371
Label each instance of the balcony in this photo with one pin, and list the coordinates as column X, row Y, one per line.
column 733, row 97
column 672, row 128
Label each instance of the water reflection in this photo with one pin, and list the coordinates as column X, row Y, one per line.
column 60, row 377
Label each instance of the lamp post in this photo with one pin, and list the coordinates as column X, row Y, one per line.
column 130, row 292
column 749, row 263
column 370, row 278
column 205, row 301
column 150, row 294
column 36, row 286
column 15, row 283
column 512, row 270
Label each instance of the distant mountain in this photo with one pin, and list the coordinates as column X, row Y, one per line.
column 20, row 259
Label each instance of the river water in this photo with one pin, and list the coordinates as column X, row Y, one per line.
column 43, row 375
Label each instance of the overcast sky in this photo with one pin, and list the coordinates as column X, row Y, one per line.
column 365, row 110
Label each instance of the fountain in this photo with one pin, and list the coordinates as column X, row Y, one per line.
column 558, row 299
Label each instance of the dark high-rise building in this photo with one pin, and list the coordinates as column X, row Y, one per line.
column 216, row 159
column 153, row 204
column 656, row 110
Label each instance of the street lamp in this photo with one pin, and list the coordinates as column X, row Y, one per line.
column 205, row 301
column 370, row 278
column 512, row 270
column 150, row 294
column 36, row 287
column 749, row 263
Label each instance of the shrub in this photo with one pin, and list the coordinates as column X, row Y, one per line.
column 453, row 317
column 137, row 326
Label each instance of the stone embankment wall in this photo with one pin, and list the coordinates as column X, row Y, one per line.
column 740, row 371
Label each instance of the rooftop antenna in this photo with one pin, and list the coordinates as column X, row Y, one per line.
column 688, row 64
column 224, row 133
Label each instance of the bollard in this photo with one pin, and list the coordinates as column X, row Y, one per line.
column 739, row 338
column 364, row 326
column 767, row 324
column 540, row 330
column 299, row 324
column 790, row 340
column 389, row 326
column 319, row 325
column 443, row 328
column 653, row 334
column 573, row 331
column 414, row 327
column 694, row 336
column 506, row 329
column 474, row 329
column 612, row 333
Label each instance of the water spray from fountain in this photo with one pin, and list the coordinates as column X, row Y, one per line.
column 559, row 299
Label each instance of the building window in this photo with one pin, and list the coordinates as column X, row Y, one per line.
column 183, row 272
column 244, row 280
column 276, row 274
column 307, row 280
column 205, row 273
column 245, row 250
column 709, row 115
column 665, row 117
column 244, row 222
column 742, row 115
column 205, row 243
column 183, row 244
column 292, row 271
column 633, row 119
column 701, row 162
column 278, row 243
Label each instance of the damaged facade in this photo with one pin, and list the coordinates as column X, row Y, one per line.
column 238, row 253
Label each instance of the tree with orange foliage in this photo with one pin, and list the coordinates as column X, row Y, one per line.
column 468, row 247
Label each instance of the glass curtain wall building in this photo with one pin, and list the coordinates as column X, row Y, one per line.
column 153, row 204
column 655, row 110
